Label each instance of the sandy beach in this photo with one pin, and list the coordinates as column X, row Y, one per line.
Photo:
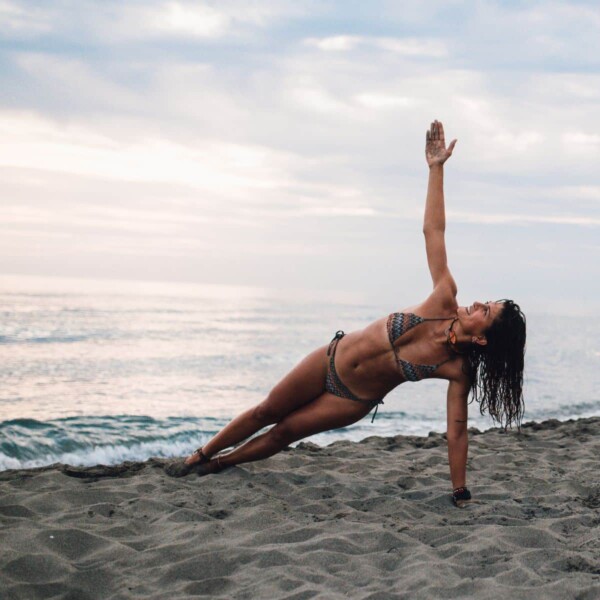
column 352, row 520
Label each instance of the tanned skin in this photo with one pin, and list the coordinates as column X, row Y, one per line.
column 298, row 406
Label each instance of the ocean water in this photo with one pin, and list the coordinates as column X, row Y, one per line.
column 101, row 372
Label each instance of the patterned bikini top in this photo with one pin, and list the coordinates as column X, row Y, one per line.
column 397, row 325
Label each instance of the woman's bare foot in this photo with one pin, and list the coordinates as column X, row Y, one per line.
column 182, row 468
column 210, row 467
column 200, row 467
column 178, row 469
column 198, row 457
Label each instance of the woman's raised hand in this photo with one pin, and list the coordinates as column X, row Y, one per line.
column 436, row 152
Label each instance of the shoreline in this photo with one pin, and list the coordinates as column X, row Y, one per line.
column 473, row 431
column 368, row 519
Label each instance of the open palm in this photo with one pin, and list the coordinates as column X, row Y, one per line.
column 436, row 152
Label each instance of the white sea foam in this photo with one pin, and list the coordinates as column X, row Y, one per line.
column 102, row 455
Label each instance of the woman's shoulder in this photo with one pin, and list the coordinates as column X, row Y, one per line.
column 458, row 372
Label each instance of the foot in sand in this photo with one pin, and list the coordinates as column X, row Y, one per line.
column 198, row 457
column 178, row 469
column 183, row 468
column 212, row 466
column 198, row 463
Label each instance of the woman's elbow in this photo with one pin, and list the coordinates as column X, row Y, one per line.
column 433, row 228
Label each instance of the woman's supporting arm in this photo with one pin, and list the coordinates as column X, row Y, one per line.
column 434, row 222
column 458, row 440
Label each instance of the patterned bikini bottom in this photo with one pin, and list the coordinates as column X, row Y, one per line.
column 334, row 385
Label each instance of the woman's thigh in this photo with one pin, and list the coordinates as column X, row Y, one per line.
column 305, row 382
column 322, row 414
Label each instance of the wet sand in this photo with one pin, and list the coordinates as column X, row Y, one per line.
column 352, row 520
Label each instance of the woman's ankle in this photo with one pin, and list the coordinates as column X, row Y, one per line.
column 222, row 461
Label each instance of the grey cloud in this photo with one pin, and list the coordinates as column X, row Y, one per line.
column 336, row 99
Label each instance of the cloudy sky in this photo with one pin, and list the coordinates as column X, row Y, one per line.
column 280, row 143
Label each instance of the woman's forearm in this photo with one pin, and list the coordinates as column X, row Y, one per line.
column 435, row 213
column 457, row 458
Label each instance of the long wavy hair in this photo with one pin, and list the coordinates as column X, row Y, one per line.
column 496, row 369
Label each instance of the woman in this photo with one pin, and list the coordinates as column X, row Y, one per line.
column 478, row 349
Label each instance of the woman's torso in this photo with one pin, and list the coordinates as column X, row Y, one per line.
column 371, row 366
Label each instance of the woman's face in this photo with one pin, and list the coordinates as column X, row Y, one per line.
column 476, row 319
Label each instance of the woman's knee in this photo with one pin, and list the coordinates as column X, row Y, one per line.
column 282, row 435
column 265, row 414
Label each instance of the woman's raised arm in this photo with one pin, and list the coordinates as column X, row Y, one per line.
column 434, row 223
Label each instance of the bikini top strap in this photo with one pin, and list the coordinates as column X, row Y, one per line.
column 447, row 360
column 437, row 318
